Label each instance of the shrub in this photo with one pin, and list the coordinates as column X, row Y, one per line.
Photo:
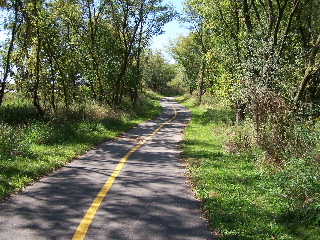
column 272, row 124
column 300, row 184
column 241, row 137
column 12, row 143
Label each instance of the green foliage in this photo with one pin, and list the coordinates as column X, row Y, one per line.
column 261, row 59
column 70, row 52
column 30, row 149
column 188, row 55
column 300, row 183
column 11, row 141
column 241, row 138
column 157, row 72
column 242, row 198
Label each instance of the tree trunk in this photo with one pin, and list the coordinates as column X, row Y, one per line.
column 2, row 91
column 10, row 49
column 190, row 89
column 36, row 99
column 241, row 107
column 202, row 80
column 308, row 73
column 247, row 18
column 116, row 98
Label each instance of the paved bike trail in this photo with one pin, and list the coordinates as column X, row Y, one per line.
column 149, row 199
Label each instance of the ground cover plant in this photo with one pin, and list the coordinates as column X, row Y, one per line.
column 31, row 147
column 243, row 195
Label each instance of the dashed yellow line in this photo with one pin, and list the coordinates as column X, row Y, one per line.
column 86, row 221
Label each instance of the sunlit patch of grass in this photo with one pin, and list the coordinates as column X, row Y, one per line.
column 32, row 149
column 240, row 199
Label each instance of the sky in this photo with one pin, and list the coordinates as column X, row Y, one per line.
column 3, row 34
column 172, row 30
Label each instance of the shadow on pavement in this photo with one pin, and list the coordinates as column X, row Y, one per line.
column 149, row 199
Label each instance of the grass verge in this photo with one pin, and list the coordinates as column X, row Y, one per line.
column 33, row 148
column 241, row 199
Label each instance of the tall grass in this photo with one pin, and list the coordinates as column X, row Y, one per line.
column 243, row 195
column 31, row 147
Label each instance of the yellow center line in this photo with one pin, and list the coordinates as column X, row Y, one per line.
column 86, row 221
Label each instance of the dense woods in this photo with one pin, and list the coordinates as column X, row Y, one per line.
column 262, row 58
column 64, row 52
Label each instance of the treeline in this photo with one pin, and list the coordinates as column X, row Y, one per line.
column 262, row 58
column 259, row 58
column 64, row 52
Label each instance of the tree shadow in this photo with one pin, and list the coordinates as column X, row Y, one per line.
column 149, row 199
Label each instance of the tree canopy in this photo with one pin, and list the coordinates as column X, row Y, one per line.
column 258, row 44
column 61, row 52
column 261, row 57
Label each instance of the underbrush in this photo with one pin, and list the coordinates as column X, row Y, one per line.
column 244, row 194
column 31, row 147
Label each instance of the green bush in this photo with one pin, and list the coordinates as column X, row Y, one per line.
column 241, row 138
column 12, row 142
column 31, row 147
column 245, row 194
column 300, row 184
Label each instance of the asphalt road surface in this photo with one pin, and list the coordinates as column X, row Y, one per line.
column 149, row 197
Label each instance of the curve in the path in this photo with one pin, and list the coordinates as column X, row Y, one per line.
column 148, row 200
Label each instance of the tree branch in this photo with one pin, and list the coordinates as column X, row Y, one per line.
column 309, row 71
column 279, row 19
column 285, row 35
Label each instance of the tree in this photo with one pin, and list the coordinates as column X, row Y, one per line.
column 263, row 47
column 188, row 54
column 157, row 72
column 135, row 22
column 67, row 52
column 14, row 30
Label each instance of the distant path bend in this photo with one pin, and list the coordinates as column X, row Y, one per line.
column 148, row 199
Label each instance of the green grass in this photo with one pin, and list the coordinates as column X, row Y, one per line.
column 240, row 199
column 31, row 148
